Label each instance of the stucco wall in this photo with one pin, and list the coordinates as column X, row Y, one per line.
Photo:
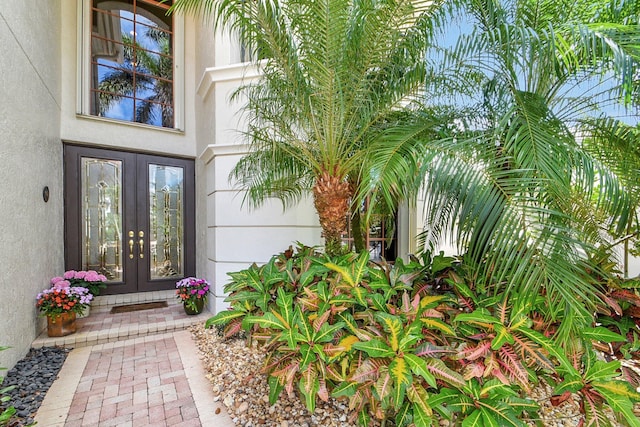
column 87, row 130
column 235, row 235
column 205, row 127
column 31, row 231
column 238, row 236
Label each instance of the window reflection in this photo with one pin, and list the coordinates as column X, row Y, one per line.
column 132, row 61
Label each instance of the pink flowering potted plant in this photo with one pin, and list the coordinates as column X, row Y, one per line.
column 90, row 280
column 193, row 293
column 60, row 304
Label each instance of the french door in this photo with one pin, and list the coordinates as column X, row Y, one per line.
column 130, row 217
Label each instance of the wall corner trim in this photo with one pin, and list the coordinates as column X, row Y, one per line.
column 233, row 72
column 216, row 150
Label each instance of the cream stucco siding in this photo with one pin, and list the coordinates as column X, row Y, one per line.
column 78, row 127
column 31, row 231
column 236, row 235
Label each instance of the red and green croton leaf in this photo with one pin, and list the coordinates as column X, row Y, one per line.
column 309, row 386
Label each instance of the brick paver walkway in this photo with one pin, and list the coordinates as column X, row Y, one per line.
column 155, row 381
column 143, row 384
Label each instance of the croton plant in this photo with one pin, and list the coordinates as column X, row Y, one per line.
column 412, row 343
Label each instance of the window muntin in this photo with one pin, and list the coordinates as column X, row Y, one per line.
column 132, row 61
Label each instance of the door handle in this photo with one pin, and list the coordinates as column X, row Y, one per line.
column 141, row 243
column 131, row 244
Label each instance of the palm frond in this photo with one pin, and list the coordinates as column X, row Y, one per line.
column 334, row 74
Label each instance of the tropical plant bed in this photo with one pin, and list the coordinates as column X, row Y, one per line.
column 233, row 369
column 422, row 343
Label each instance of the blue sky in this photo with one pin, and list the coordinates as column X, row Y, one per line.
column 597, row 88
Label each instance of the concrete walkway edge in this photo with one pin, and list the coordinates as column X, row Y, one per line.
column 55, row 406
column 200, row 385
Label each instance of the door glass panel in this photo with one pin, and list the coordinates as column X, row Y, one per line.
column 166, row 202
column 102, row 217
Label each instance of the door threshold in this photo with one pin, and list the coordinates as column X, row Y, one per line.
column 104, row 301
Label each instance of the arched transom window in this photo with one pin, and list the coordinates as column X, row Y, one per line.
column 132, row 61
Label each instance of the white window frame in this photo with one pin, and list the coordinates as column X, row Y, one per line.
column 83, row 100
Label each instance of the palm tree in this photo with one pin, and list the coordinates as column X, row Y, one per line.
column 153, row 74
column 330, row 114
column 508, row 185
column 333, row 73
column 617, row 145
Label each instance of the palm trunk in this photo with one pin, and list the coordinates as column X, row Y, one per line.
column 356, row 229
column 331, row 195
column 357, row 233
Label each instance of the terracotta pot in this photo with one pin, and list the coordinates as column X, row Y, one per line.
column 59, row 326
column 198, row 310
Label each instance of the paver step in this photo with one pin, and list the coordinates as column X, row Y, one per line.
column 102, row 327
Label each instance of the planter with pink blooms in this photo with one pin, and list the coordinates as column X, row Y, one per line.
column 61, row 304
column 91, row 280
column 193, row 293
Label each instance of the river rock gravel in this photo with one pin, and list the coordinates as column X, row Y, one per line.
column 233, row 369
column 32, row 376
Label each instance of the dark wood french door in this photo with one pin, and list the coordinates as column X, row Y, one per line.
column 130, row 217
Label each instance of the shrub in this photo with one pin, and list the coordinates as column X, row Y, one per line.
column 404, row 341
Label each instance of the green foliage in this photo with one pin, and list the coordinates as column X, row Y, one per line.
column 254, row 290
column 7, row 414
column 490, row 403
column 506, row 175
column 513, row 184
column 506, row 345
column 334, row 76
column 619, row 320
column 412, row 342
column 599, row 385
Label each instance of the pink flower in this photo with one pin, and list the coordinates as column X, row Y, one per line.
column 102, row 277
column 80, row 274
column 61, row 284
column 91, row 276
column 69, row 274
column 56, row 280
column 191, row 289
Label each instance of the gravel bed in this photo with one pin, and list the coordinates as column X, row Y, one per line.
column 233, row 369
column 234, row 372
column 32, row 376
